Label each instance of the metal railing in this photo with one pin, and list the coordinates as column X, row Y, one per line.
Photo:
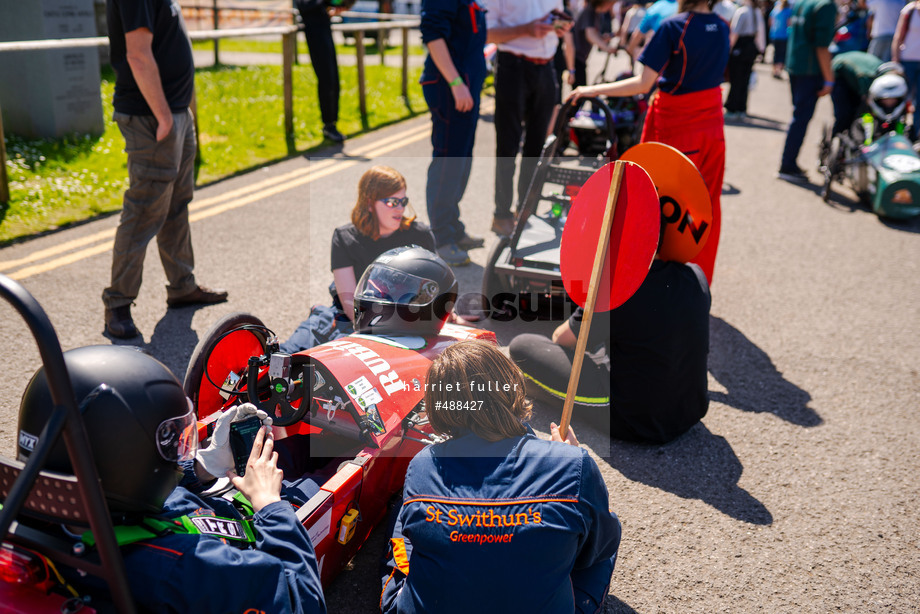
column 288, row 46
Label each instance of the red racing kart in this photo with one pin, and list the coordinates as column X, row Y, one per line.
column 348, row 413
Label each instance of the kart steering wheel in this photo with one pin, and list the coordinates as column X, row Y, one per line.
column 282, row 391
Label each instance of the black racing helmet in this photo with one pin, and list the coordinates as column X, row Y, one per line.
column 137, row 417
column 405, row 291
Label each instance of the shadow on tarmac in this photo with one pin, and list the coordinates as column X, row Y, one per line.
column 696, row 465
column 751, row 380
column 173, row 339
column 757, row 121
column 612, row 605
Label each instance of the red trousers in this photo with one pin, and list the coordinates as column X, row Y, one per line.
column 692, row 124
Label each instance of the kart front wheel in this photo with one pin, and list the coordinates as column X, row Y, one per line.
column 224, row 350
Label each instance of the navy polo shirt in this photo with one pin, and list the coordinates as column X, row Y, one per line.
column 696, row 65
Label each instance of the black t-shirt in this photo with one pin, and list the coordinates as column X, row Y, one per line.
column 350, row 248
column 658, row 343
column 171, row 50
column 588, row 18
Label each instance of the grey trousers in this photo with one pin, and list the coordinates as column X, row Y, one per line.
column 161, row 185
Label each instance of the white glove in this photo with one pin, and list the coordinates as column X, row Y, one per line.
column 217, row 458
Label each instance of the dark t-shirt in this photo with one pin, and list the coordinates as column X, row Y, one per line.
column 701, row 66
column 588, row 18
column 659, row 344
column 171, row 50
column 350, row 248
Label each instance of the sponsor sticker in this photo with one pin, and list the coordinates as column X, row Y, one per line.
column 358, row 387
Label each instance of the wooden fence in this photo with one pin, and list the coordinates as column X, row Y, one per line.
column 288, row 35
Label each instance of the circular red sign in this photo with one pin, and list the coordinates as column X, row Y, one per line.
column 633, row 236
column 683, row 195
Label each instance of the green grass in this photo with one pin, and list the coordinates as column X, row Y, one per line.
column 241, row 123
column 259, row 46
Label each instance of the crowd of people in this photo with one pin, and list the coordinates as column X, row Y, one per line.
column 645, row 379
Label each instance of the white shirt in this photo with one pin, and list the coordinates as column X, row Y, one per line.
column 725, row 9
column 910, row 46
column 885, row 18
column 507, row 13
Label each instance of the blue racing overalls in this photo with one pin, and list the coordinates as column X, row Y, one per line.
column 517, row 525
column 200, row 573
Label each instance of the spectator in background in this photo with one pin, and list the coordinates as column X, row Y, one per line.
column 725, row 9
column 810, row 75
column 654, row 15
column 631, row 20
column 527, row 35
column 854, row 72
column 152, row 57
column 455, row 33
column 883, row 20
column 852, row 28
column 779, row 35
column 317, row 28
column 589, row 31
column 747, row 39
column 905, row 48
column 686, row 58
column 564, row 60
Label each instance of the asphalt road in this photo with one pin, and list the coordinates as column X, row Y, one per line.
column 797, row 493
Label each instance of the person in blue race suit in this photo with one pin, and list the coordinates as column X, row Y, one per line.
column 495, row 519
column 175, row 540
column 455, row 33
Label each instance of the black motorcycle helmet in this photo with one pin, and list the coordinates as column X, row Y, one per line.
column 137, row 417
column 405, row 291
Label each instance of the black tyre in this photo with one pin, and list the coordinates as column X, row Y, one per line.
column 236, row 348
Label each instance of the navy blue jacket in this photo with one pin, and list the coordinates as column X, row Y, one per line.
column 462, row 25
column 200, row 573
column 517, row 525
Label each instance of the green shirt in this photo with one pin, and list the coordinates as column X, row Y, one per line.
column 810, row 27
column 856, row 69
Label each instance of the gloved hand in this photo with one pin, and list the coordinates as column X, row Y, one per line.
column 217, row 458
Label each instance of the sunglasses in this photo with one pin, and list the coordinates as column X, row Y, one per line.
column 394, row 202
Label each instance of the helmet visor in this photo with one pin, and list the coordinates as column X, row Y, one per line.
column 177, row 438
column 383, row 283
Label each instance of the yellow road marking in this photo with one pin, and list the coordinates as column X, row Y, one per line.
column 258, row 191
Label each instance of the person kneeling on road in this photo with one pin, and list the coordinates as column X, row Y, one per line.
column 494, row 519
column 649, row 355
column 143, row 434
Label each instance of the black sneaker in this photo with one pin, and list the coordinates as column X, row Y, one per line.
column 795, row 175
column 119, row 323
column 332, row 133
column 199, row 296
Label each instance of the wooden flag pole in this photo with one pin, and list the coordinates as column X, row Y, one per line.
column 596, row 271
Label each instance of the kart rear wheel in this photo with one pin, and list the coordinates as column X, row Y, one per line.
column 494, row 283
column 221, row 351
column 824, row 149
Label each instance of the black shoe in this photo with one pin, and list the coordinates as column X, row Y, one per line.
column 119, row 324
column 199, row 296
column 332, row 133
column 796, row 175
column 466, row 242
